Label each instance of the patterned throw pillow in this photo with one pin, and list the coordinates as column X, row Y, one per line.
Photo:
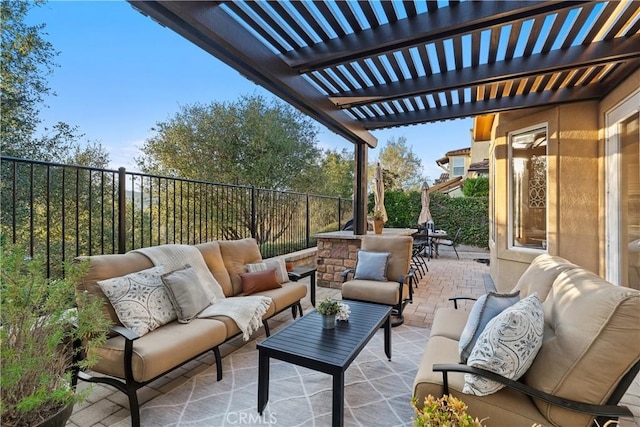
column 371, row 266
column 507, row 346
column 484, row 309
column 276, row 263
column 140, row 300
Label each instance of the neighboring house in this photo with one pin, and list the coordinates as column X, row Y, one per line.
column 565, row 179
column 462, row 163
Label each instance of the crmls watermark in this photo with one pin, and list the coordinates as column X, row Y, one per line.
column 251, row 418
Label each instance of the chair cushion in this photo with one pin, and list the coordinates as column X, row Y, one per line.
column 213, row 258
column 590, row 342
column 236, row 254
column 484, row 309
column 272, row 263
column 374, row 291
column 507, row 346
column 140, row 299
column 449, row 322
column 400, row 248
column 186, row 293
column 259, row 281
column 371, row 266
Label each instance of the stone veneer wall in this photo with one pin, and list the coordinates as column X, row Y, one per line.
column 335, row 256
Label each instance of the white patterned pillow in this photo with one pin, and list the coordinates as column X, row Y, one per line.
column 277, row 263
column 140, row 299
column 507, row 346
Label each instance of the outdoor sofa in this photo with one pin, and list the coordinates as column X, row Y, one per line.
column 128, row 361
column 589, row 353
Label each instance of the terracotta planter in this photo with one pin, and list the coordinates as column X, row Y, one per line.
column 289, row 265
column 378, row 225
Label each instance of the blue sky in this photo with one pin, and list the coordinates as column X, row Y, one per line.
column 120, row 73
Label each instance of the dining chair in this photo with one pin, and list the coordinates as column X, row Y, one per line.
column 453, row 242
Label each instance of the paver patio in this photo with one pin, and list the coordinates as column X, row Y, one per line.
column 447, row 276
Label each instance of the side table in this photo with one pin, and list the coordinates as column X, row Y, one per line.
column 302, row 272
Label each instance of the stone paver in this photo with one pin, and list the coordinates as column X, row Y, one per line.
column 447, row 277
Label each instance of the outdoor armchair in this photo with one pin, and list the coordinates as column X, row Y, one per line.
column 383, row 273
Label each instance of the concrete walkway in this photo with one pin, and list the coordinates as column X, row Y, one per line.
column 447, row 277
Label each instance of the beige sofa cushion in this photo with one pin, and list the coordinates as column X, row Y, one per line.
column 400, row 249
column 592, row 331
column 153, row 356
column 213, row 258
column 102, row 267
column 449, row 323
column 236, row 254
column 372, row 291
column 541, row 274
column 504, row 408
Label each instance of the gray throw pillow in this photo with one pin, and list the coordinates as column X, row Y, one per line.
column 186, row 293
column 372, row 266
column 485, row 308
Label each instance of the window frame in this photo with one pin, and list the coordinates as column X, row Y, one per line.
column 453, row 166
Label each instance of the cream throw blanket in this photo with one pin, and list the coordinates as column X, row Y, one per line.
column 246, row 311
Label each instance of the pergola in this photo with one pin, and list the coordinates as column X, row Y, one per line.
column 356, row 66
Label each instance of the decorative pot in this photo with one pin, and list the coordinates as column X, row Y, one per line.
column 328, row 321
column 377, row 226
column 59, row 419
column 289, row 265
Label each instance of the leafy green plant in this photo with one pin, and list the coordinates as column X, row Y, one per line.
column 329, row 306
column 39, row 326
column 445, row 411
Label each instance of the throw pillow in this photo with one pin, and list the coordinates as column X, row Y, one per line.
column 140, row 300
column 186, row 293
column 259, row 281
column 371, row 266
column 484, row 309
column 277, row 263
column 507, row 346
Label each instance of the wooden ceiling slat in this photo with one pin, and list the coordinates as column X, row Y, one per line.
column 543, row 82
column 457, row 52
column 410, row 8
column 533, row 36
column 432, row 6
column 368, row 72
column 635, row 28
column 448, row 97
column 475, row 49
column 257, row 8
column 395, row 66
column 413, row 103
column 561, row 18
column 460, row 96
column 513, row 40
column 442, row 59
column 561, row 78
column 381, row 69
column 422, row 50
column 499, row 90
column 576, row 76
column 623, row 19
column 591, row 75
column 353, row 73
column 369, row 13
column 266, row 35
column 393, row 107
column 293, row 23
column 474, row 94
column 436, row 100
column 389, row 11
column 597, row 26
column 349, row 16
column 408, row 59
column 528, row 85
column 339, row 74
column 494, row 42
column 319, row 82
column 327, row 13
column 300, row 7
column 579, row 23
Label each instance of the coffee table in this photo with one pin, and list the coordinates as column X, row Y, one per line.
column 305, row 343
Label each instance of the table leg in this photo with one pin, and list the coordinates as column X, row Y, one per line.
column 387, row 337
column 337, row 419
column 312, row 288
column 263, row 380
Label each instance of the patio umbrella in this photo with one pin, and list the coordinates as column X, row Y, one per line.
column 378, row 193
column 425, row 213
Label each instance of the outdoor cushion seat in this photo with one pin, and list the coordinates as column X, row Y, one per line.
column 397, row 289
column 590, row 352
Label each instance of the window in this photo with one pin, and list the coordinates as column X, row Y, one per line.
column 458, row 166
column 528, row 188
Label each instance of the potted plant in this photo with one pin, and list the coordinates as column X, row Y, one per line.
column 378, row 221
column 40, row 330
column 328, row 308
column 445, row 411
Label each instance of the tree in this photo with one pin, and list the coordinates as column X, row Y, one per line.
column 402, row 169
column 337, row 171
column 476, row 187
column 246, row 142
column 27, row 60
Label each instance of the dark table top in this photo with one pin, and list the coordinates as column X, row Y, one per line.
column 305, row 339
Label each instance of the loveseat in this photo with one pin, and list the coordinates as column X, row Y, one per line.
column 588, row 356
column 128, row 361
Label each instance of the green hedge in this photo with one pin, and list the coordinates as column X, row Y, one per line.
column 449, row 213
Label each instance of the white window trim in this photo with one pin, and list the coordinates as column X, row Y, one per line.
column 510, row 245
column 618, row 113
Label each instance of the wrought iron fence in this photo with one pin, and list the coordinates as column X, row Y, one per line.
column 61, row 211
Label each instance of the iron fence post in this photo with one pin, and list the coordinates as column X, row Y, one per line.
column 339, row 213
column 253, row 211
column 122, row 210
column 308, row 224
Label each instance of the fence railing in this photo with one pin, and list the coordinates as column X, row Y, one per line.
column 61, row 211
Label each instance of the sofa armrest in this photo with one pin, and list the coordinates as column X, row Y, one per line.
column 126, row 333
column 585, row 408
column 346, row 273
column 456, row 298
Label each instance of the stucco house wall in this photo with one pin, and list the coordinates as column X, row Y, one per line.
column 575, row 184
